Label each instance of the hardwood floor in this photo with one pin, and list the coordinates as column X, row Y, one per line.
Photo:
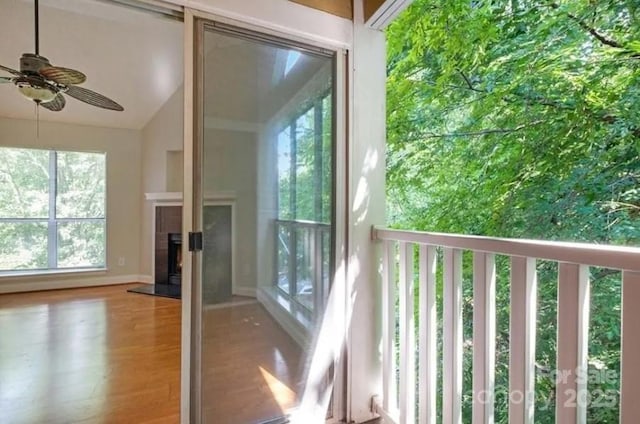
column 251, row 367
column 103, row 355
column 95, row 355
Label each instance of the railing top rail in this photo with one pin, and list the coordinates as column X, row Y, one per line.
column 302, row 223
column 606, row 256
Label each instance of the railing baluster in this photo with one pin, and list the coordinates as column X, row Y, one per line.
column 452, row 338
column 315, row 257
column 390, row 401
column 574, row 260
column 630, row 367
column 522, row 339
column 428, row 330
column 573, row 333
column 407, row 336
column 484, row 336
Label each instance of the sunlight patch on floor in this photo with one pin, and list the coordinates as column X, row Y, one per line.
column 282, row 394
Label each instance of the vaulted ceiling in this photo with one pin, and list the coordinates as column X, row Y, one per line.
column 136, row 59
column 130, row 56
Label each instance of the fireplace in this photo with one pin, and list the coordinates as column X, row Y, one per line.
column 174, row 260
column 167, row 254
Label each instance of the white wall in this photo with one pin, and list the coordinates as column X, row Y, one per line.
column 123, row 150
column 366, row 208
column 230, row 166
column 267, row 205
column 162, row 134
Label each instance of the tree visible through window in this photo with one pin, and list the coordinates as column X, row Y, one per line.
column 305, row 170
column 52, row 209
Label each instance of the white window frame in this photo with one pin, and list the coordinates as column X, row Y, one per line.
column 293, row 222
column 52, row 221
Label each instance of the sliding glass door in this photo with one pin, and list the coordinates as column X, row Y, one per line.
column 264, row 209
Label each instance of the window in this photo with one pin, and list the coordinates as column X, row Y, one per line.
column 303, row 228
column 52, row 210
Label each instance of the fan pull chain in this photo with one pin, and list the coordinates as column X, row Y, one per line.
column 37, row 122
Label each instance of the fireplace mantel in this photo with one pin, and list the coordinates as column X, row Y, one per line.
column 171, row 196
column 176, row 196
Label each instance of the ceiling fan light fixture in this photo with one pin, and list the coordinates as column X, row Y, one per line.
column 45, row 84
column 37, row 94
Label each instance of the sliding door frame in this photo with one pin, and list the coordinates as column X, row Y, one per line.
column 193, row 199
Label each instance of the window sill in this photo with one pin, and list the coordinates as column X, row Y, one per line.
column 51, row 272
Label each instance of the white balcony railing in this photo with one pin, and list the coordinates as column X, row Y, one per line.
column 398, row 404
column 303, row 258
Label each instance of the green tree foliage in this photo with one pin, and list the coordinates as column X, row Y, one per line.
column 25, row 186
column 520, row 118
column 305, row 169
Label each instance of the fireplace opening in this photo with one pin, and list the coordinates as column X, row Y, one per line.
column 175, row 258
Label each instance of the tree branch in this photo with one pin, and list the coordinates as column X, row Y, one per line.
column 596, row 34
column 486, row 132
column 603, row 273
column 468, row 81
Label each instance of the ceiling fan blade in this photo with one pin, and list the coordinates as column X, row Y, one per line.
column 5, row 80
column 11, row 71
column 92, row 98
column 55, row 105
column 64, row 76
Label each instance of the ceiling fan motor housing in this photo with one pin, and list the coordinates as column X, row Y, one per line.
column 32, row 85
column 32, row 63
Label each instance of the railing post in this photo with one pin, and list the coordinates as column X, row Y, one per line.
column 484, row 336
column 407, row 336
column 428, row 330
column 316, row 268
column 573, row 348
column 452, row 338
column 522, row 340
column 630, row 367
column 390, row 401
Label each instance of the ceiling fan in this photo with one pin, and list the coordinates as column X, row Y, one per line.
column 45, row 84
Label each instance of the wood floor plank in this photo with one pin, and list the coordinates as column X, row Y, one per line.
column 103, row 355
column 252, row 369
column 96, row 355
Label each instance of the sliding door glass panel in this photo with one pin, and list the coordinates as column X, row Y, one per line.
column 217, row 258
column 267, row 148
column 284, row 173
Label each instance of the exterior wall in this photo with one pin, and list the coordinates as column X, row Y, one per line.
column 366, row 208
column 123, row 192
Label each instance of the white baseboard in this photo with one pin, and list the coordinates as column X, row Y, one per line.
column 244, row 291
column 27, row 286
column 147, row 279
